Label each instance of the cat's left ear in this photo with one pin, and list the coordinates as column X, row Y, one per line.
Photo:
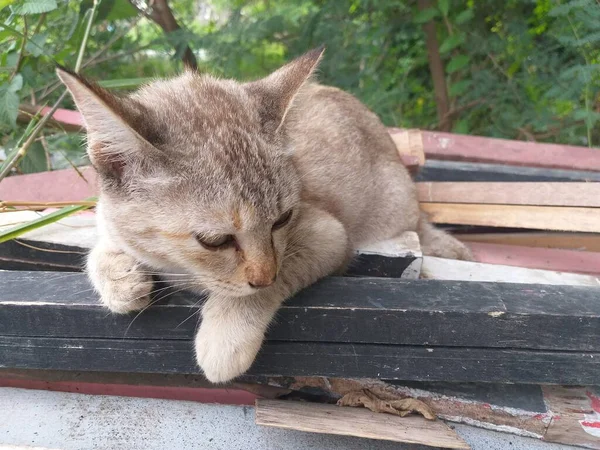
column 277, row 91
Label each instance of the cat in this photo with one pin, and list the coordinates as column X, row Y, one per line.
column 251, row 191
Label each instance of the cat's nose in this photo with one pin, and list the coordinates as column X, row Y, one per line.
column 257, row 284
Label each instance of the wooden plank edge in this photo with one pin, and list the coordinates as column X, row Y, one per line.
column 358, row 422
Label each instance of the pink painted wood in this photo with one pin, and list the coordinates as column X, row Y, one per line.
column 194, row 394
column 556, row 259
column 57, row 186
column 455, row 147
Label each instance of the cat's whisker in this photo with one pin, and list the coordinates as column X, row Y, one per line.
column 154, row 301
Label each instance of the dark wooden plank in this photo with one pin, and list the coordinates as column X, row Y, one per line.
column 462, row 171
column 311, row 359
column 356, row 310
column 24, row 254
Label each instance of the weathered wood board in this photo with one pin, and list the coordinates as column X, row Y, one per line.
column 512, row 193
column 353, row 327
column 331, row 419
column 517, row 216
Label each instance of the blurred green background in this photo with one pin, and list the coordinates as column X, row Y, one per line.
column 523, row 69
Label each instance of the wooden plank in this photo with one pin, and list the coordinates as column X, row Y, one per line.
column 537, row 217
column 537, row 258
column 345, row 421
column 457, row 147
column 409, row 144
column 56, row 186
column 448, row 269
column 516, row 193
column 343, row 310
column 553, row 239
column 464, row 171
column 302, row 359
column 577, row 415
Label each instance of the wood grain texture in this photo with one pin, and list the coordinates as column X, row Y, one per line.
column 512, row 193
column 535, row 217
column 537, row 258
column 561, row 240
column 502, row 151
column 576, row 412
column 435, row 170
column 331, row 419
column 336, row 309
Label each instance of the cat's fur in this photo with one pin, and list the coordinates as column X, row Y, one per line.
column 196, row 156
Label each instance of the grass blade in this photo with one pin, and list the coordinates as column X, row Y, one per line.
column 55, row 216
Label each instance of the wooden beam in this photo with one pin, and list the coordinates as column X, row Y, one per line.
column 337, row 309
column 466, row 171
column 537, row 258
column 536, row 217
column 559, row 240
column 449, row 269
column 456, row 147
column 302, row 359
column 347, row 421
column 503, row 193
column 351, row 327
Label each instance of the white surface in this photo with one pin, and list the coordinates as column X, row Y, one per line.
column 68, row 421
column 448, row 269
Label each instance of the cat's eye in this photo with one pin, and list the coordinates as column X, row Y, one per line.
column 283, row 220
column 216, row 242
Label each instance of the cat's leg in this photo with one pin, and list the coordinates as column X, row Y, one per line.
column 233, row 329
column 123, row 283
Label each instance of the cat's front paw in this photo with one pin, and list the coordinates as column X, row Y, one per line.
column 224, row 353
column 121, row 282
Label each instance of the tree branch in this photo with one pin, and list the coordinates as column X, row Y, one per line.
column 161, row 14
column 436, row 67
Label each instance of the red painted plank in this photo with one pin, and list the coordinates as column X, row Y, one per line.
column 56, row 186
column 455, row 147
column 556, row 259
column 65, row 116
column 194, row 394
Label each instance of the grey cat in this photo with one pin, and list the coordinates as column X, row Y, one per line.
column 247, row 191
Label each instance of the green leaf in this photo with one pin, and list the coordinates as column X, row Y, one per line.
column 444, row 6
column 451, row 42
column 9, row 101
column 23, row 7
column 121, row 10
column 464, row 16
column 16, row 84
column 461, row 127
column 42, row 221
column 34, row 160
column 125, row 83
column 425, row 15
column 459, row 88
column 457, row 63
column 35, row 45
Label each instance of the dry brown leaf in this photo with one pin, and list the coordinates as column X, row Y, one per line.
column 401, row 407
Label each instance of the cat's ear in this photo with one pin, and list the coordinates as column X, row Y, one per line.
column 277, row 91
column 112, row 141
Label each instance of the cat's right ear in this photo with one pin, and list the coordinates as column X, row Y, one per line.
column 112, row 141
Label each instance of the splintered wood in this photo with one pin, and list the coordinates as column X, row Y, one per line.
column 331, row 419
column 400, row 407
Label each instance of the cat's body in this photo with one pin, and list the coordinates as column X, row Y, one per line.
column 249, row 192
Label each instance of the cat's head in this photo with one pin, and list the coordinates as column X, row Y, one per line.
column 197, row 174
